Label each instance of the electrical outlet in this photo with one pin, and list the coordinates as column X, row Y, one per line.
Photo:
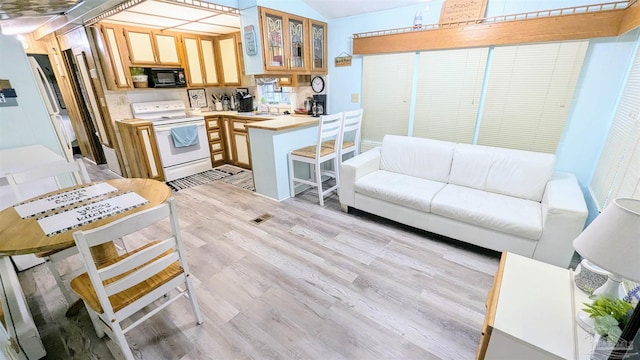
column 355, row 97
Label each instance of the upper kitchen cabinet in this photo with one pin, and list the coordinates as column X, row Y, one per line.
column 200, row 60
column 110, row 47
column 230, row 66
column 279, row 43
column 283, row 40
column 149, row 47
column 318, row 39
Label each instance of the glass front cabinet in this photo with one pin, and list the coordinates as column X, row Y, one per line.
column 318, row 40
column 284, row 40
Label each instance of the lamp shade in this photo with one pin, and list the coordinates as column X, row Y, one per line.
column 612, row 240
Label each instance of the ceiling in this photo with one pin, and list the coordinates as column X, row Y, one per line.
column 333, row 9
column 24, row 16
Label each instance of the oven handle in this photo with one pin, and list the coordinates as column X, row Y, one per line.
column 168, row 127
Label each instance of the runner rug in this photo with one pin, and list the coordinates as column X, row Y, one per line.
column 227, row 173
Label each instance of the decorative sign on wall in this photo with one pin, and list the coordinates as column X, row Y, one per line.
column 454, row 11
column 250, row 46
column 343, row 60
column 197, row 98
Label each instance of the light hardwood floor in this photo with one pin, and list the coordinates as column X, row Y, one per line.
column 309, row 283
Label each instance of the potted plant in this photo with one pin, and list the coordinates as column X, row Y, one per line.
column 610, row 318
column 138, row 77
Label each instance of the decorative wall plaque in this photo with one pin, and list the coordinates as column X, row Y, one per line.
column 250, row 46
column 462, row 10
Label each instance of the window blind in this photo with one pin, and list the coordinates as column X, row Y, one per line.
column 386, row 96
column 448, row 93
column 529, row 91
column 618, row 171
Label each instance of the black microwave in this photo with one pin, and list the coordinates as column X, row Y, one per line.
column 166, row 77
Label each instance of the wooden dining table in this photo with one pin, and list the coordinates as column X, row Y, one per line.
column 20, row 235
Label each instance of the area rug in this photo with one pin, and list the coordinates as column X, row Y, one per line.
column 228, row 173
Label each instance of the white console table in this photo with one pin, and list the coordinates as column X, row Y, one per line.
column 531, row 312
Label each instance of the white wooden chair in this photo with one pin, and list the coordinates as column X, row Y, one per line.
column 351, row 134
column 125, row 285
column 317, row 155
column 74, row 170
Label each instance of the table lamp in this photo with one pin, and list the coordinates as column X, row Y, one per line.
column 612, row 242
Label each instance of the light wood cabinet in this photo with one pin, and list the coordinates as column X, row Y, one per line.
column 318, row 41
column 236, row 139
column 114, row 68
column 201, row 62
column 140, row 149
column 531, row 313
column 215, row 133
column 149, row 47
column 229, row 63
column 285, row 40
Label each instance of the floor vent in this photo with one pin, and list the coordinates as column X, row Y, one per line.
column 262, row 218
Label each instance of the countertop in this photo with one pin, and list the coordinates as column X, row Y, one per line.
column 267, row 122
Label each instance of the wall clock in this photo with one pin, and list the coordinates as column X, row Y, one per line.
column 317, row 84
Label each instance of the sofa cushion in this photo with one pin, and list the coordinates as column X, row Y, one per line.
column 409, row 191
column 518, row 173
column 419, row 157
column 490, row 210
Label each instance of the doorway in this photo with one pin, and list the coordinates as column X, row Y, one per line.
column 80, row 82
column 46, row 67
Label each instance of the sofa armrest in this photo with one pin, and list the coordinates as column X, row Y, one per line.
column 564, row 213
column 352, row 170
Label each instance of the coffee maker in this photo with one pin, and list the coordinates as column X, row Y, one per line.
column 319, row 105
column 244, row 101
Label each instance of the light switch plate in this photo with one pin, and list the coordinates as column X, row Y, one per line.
column 355, row 97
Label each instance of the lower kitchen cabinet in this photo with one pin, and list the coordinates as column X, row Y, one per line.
column 239, row 141
column 216, row 140
column 140, row 149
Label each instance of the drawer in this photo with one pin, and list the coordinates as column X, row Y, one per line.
column 239, row 125
column 217, row 158
column 213, row 124
column 215, row 146
column 214, row 135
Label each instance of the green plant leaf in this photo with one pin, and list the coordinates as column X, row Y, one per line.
column 604, row 324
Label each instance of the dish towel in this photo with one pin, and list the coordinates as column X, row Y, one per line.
column 184, row 136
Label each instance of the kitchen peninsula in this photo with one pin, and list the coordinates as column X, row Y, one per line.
column 270, row 141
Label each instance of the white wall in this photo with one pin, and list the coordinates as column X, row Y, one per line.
column 28, row 123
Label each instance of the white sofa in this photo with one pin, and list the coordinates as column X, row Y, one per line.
column 496, row 198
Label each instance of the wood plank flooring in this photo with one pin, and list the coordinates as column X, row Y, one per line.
column 309, row 283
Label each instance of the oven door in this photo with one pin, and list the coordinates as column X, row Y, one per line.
column 171, row 155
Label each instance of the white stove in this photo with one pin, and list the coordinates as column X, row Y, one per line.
column 171, row 125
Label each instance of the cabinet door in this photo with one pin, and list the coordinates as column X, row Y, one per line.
column 318, row 46
column 273, row 39
column 229, row 60
column 194, row 68
column 297, row 47
column 209, row 61
column 117, row 69
column 167, row 46
column 147, row 143
column 140, row 45
column 240, row 140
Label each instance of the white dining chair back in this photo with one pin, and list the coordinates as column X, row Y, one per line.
column 329, row 130
column 123, row 286
column 59, row 171
column 55, row 170
column 351, row 133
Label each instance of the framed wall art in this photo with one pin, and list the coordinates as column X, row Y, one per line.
column 197, row 98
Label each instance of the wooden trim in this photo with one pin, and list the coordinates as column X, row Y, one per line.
column 558, row 28
column 631, row 18
column 492, row 303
